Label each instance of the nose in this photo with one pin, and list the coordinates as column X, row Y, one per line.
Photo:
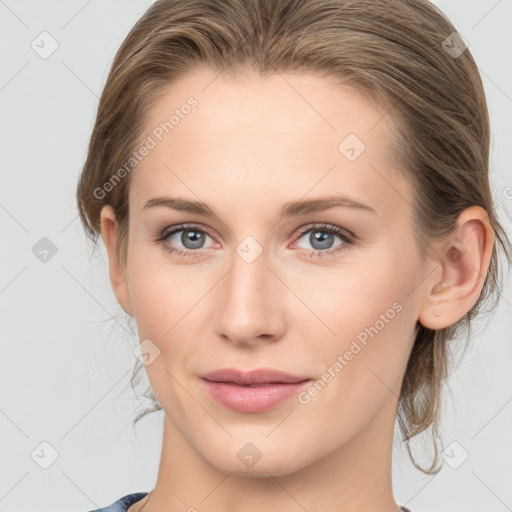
column 252, row 303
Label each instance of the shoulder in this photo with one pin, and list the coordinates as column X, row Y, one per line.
column 122, row 504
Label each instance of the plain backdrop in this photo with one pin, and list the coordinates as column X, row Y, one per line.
column 66, row 347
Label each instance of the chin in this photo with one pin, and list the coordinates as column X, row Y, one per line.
column 246, row 460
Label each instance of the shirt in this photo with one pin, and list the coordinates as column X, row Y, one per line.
column 122, row 504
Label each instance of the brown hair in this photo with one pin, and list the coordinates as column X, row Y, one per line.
column 395, row 52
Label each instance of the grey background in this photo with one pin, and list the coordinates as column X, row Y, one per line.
column 66, row 347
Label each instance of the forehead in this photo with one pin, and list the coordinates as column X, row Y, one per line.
column 295, row 103
column 291, row 132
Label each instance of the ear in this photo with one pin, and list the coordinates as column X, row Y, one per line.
column 117, row 272
column 464, row 260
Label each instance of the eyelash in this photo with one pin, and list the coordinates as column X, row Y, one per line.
column 347, row 237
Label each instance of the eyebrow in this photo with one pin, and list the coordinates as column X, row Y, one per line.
column 290, row 209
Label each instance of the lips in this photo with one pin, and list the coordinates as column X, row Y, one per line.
column 254, row 378
column 255, row 391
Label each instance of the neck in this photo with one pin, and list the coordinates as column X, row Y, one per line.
column 354, row 477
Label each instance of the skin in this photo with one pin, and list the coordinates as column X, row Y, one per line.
column 250, row 146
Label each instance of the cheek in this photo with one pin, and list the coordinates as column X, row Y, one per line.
column 367, row 314
column 160, row 294
column 350, row 299
column 165, row 314
column 364, row 360
column 169, row 306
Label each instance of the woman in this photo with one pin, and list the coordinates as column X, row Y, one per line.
column 294, row 199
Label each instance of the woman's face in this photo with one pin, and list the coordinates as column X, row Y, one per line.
column 327, row 294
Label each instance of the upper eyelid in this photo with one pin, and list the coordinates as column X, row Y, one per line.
column 176, row 229
column 325, row 227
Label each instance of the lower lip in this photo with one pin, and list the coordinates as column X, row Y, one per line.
column 253, row 399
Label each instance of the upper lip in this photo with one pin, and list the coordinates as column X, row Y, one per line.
column 258, row 376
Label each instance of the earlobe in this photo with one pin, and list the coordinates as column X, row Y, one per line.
column 117, row 272
column 464, row 261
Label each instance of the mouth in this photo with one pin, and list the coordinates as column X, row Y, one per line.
column 255, row 391
column 258, row 385
column 256, row 377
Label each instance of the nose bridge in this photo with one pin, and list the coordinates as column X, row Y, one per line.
column 249, row 296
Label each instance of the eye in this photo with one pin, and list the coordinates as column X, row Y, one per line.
column 321, row 238
column 192, row 238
